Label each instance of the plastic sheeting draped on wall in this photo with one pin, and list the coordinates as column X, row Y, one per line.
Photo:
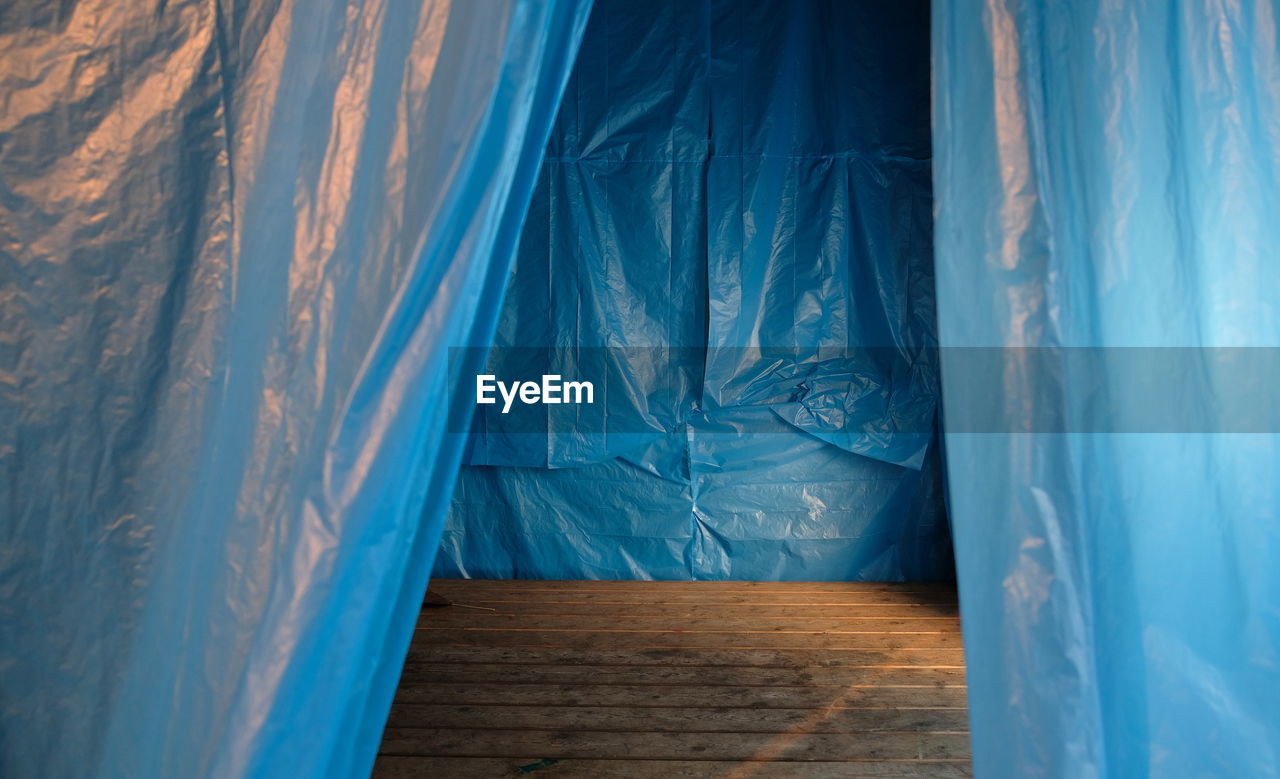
column 748, row 184
column 236, row 240
column 1106, row 176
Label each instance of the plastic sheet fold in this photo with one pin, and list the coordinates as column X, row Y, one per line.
column 1105, row 177
column 236, row 240
column 732, row 234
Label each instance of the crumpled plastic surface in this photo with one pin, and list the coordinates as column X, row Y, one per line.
column 748, row 183
column 1106, row 176
column 236, row 240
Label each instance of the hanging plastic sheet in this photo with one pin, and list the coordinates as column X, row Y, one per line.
column 1106, row 176
column 235, row 242
column 731, row 235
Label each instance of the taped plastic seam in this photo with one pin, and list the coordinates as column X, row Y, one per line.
column 236, row 241
column 1106, row 177
column 732, row 227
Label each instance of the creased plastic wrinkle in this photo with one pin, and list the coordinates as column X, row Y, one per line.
column 732, row 235
column 236, row 242
column 1106, row 179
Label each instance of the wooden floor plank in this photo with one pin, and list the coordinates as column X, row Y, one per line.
column 680, row 695
column 508, row 673
column 413, row 767
column 788, row 746
column 615, row 598
column 722, row 624
column 621, row 637
column 704, row 587
column 672, row 679
column 643, row 608
column 677, row 720
column 697, row 657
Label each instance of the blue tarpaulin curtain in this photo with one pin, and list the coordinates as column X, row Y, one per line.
column 1107, row 175
column 235, row 242
column 724, row 177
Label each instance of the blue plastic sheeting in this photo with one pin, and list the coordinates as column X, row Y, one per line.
column 1107, row 176
column 235, row 242
column 750, row 183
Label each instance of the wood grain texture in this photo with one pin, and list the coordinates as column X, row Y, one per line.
column 399, row 767
column 763, row 658
column 682, row 679
column 512, row 673
column 675, row 720
column 676, row 746
column 585, row 693
column 637, row 608
column 717, row 624
column 572, row 638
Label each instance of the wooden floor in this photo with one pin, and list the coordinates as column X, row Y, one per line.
column 682, row 679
